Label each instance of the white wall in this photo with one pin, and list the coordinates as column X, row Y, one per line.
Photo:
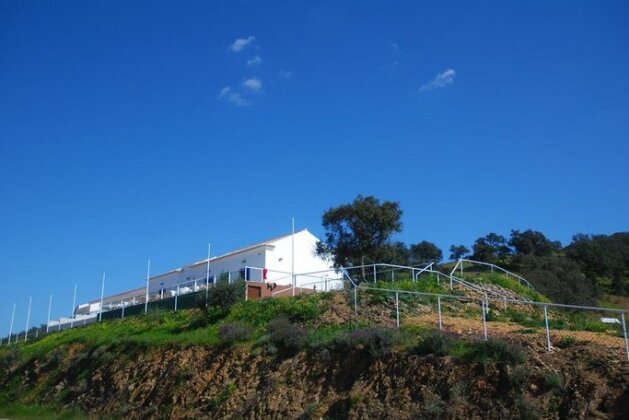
column 306, row 261
column 218, row 266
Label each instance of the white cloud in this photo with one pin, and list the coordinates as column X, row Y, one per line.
column 241, row 43
column 228, row 95
column 440, row 81
column 255, row 61
column 252, row 84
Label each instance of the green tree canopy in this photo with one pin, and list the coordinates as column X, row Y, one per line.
column 458, row 252
column 425, row 252
column 604, row 258
column 359, row 232
column 491, row 248
column 531, row 242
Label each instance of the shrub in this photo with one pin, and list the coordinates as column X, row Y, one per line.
column 286, row 335
column 435, row 343
column 377, row 341
column 224, row 295
column 259, row 312
column 565, row 342
column 154, row 315
column 553, row 381
column 495, row 350
column 518, row 377
column 203, row 318
column 234, row 331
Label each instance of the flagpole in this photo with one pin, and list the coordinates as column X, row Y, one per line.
column 102, row 294
column 146, row 302
column 49, row 309
column 28, row 317
column 73, row 306
column 292, row 270
column 207, row 272
column 12, row 319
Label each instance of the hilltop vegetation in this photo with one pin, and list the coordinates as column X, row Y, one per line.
column 312, row 356
column 587, row 269
column 368, row 351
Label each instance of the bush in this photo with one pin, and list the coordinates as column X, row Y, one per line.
column 261, row 311
column 553, row 381
column 234, row 331
column 498, row 351
column 565, row 342
column 224, row 295
column 435, row 343
column 377, row 341
column 519, row 377
column 286, row 335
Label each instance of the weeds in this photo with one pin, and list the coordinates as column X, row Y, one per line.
column 233, row 332
column 286, row 335
column 566, row 341
column 494, row 350
column 376, row 341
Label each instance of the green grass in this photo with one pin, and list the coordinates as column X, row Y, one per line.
column 40, row 412
column 508, row 283
column 258, row 313
column 185, row 327
column 325, row 336
column 424, row 284
column 154, row 329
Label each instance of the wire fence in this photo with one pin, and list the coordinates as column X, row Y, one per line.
column 547, row 326
column 463, row 308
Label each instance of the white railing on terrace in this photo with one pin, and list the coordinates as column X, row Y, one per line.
column 372, row 269
column 459, row 265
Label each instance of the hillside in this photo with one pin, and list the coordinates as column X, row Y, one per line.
column 316, row 356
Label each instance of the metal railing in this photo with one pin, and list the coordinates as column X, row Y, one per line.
column 520, row 279
column 555, row 320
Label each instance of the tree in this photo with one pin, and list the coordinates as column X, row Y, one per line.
column 604, row 259
column 360, row 231
column 425, row 252
column 459, row 251
column 395, row 253
column 491, row 248
column 531, row 242
column 560, row 279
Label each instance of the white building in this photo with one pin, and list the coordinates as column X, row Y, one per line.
column 270, row 261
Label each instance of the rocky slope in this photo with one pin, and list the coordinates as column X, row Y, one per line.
column 255, row 380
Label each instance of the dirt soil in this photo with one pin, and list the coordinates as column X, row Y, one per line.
column 588, row 379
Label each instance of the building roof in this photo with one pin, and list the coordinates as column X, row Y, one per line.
column 268, row 242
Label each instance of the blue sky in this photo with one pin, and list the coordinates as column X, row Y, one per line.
column 132, row 130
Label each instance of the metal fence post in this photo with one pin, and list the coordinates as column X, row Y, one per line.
column 122, row 304
column 374, row 274
column 397, row 310
column 624, row 331
column 28, row 318
column 439, row 310
column 207, row 288
column 355, row 300
column 176, row 298
column 547, row 330
column 483, row 305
